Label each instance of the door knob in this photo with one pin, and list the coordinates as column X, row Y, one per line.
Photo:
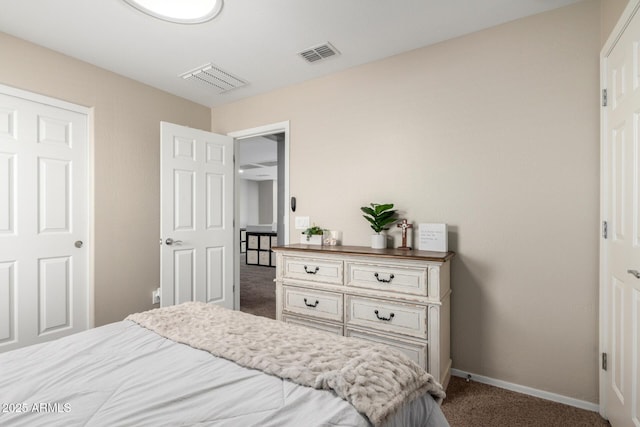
column 78, row 243
column 634, row 273
column 172, row 242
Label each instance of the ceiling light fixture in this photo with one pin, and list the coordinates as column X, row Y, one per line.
column 179, row 11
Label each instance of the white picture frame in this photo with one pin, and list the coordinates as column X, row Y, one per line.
column 433, row 237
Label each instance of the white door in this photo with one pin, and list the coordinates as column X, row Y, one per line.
column 43, row 219
column 620, row 276
column 197, row 245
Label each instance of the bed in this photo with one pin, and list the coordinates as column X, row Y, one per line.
column 163, row 368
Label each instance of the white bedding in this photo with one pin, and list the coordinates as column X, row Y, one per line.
column 123, row 374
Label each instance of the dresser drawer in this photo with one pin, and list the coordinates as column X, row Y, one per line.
column 332, row 328
column 312, row 269
column 414, row 350
column 408, row 319
column 324, row 305
column 393, row 278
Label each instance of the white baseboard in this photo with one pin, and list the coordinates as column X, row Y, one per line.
column 582, row 404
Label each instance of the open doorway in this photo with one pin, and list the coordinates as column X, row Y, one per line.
column 283, row 205
column 259, row 205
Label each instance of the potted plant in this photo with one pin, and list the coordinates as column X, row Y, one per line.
column 313, row 235
column 380, row 217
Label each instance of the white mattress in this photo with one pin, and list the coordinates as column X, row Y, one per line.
column 123, row 374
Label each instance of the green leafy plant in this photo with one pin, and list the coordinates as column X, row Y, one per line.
column 379, row 215
column 313, row 231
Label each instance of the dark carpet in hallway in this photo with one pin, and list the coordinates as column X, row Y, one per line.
column 257, row 289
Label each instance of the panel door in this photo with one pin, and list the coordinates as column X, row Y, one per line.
column 621, row 287
column 196, row 216
column 43, row 213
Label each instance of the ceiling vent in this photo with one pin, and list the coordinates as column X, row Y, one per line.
column 249, row 166
column 318, row 53
column 214, row 77
column 259, row 165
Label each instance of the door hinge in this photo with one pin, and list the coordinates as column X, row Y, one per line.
column 604, row 97
column 605, row 231
column 604, row 361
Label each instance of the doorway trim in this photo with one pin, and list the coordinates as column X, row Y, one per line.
column 627, row 15
column 269, row 129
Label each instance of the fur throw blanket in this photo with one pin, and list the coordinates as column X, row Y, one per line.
column 374, row 378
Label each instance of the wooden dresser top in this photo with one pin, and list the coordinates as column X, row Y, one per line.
column 365, row 250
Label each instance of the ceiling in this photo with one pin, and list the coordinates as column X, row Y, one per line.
column 256, row 41
column 257, row 158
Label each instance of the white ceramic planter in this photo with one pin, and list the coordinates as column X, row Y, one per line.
column 378, row 241
column 316, row 239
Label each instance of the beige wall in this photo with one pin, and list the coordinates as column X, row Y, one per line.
column 127, row 165
column 496, row 134
column 610, row 13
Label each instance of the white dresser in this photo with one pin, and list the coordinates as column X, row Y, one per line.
column 397, row 297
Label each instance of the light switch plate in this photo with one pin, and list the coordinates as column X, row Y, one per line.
column 302, row 222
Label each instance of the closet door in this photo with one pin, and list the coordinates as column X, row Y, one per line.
column 43, row 219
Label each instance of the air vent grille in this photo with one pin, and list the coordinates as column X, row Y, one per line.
column 259, row 165
column 249, row 166
column 214, row 77
column 318, row 53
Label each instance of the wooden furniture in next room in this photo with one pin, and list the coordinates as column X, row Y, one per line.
column 259, row 248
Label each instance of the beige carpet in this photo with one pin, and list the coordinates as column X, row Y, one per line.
column 472, row 404
column 468, row 404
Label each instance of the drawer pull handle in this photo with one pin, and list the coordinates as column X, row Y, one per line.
column 386, row 319
column 314, row 271
column 391, row 276
column 311, row 305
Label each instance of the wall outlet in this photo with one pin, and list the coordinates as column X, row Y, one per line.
column 302, row 222
column 155, row 296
